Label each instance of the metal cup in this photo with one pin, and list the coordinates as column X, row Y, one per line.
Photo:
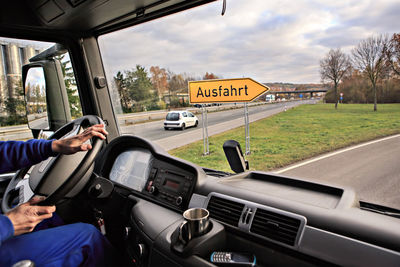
column 196, row 224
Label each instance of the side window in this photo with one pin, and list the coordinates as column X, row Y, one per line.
column 70, row 86
column 191, row 114
column 14, row 53
column 184, row 114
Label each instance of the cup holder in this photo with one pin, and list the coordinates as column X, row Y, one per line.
column 212, row 239
column 176, row 239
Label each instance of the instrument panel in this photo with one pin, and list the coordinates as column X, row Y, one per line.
column 131, row 168
column 149, row 173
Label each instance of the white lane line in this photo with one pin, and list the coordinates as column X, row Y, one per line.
column 336, row 153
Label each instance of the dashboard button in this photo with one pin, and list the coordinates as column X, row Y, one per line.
column 153, row 173
column 153, row 190
column 178, row 201
column 149, row 185
column 96, row 190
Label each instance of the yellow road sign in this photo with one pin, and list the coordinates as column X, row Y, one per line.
column 225, row 90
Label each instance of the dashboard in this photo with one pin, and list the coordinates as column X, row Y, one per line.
column 282, row 220
column 151, row 175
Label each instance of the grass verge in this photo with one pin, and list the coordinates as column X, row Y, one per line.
column 298, row 134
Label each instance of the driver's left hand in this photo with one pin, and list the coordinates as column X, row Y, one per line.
column 26, row 216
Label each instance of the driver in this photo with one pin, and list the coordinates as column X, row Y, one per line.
column 76, row 244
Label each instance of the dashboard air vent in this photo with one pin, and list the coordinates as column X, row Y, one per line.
column 275, row 226
column 224, row 210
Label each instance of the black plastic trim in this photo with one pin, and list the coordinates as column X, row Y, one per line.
column 246, row 227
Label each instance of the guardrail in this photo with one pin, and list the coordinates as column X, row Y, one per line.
column 18, row 132
column 22, row 132
column 140, row 117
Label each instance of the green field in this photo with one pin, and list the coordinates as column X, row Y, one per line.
column 298, row 134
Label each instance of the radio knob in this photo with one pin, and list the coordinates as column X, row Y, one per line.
column 178, row 200
column 153, row 190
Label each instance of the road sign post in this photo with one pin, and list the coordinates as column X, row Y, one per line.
column 206, row 147
column 242, row 90
column 247, row 128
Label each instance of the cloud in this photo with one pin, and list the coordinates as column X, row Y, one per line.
column 264, row 40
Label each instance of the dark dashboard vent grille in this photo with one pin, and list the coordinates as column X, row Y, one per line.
column 275, row 226
column 224, row 210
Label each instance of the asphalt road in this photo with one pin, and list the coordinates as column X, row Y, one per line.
column 155, row 130
column 372, row 169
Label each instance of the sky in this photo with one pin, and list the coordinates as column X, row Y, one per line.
column 269, row 41
column 35, row 77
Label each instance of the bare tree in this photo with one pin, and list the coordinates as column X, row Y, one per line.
column 369, row 58
column 393, row 53
column 333, row 68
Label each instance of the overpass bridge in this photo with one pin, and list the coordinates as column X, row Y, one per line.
column 311, row 92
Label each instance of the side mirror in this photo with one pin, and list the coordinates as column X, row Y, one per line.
column 235, row 157
column 46, row 98
column 35, row 99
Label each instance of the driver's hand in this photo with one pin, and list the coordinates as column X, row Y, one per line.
column 77, row 143
column 26, row 216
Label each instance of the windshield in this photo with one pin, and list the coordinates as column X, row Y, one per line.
column 321, row 99
column 173, row 116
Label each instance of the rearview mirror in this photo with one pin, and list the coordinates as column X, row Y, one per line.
column 235, row 157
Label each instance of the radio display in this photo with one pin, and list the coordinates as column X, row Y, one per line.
column 171, row 184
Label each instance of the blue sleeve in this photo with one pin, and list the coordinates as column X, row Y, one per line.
column 6, row 228
column 15, row 155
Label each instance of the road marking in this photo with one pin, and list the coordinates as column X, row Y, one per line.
column 336, row 153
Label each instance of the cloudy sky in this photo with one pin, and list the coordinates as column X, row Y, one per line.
column 269, row 41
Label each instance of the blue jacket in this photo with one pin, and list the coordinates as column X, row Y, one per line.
column 15, row 155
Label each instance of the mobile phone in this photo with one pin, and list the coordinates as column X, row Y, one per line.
column 233, row 259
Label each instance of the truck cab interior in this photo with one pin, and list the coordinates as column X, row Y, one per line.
column 141, row 191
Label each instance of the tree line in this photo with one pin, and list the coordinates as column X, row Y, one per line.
column 158, row 88
column 370, row 74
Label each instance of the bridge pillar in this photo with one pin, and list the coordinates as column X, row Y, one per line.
column 311, row 94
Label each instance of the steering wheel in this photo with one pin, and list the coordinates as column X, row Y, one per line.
column 57, row 177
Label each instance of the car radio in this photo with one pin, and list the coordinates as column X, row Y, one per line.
column 169, row 186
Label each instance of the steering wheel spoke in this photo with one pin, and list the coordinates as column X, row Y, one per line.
column 25, row 191
column 74, row 131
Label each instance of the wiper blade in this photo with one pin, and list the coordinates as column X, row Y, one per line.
column 380, row 209
column 216, row 173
